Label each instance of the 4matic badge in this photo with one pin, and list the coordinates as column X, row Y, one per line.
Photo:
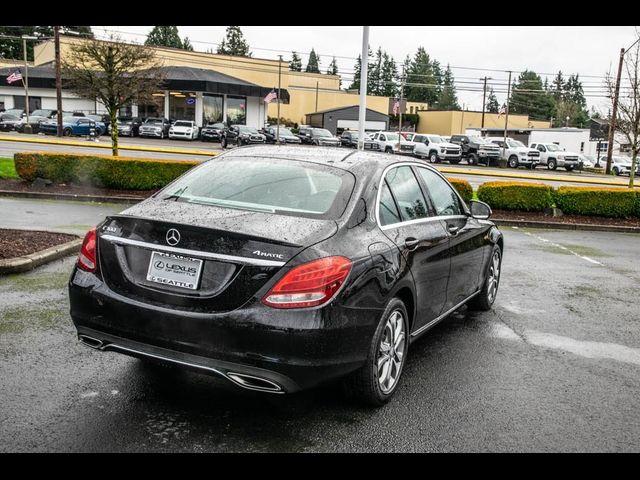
column 268, row 255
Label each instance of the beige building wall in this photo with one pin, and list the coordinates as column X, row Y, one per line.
column 456, row 122
column 300, row 85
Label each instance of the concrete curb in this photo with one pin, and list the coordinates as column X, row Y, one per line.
column 108, row 146
column 29, row 262
column 71, row 196
column 542, row 178
column 566, row 226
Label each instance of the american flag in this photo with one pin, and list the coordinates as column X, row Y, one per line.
column 503, row 110
column 271, row 96
column 396, row 107
column 14, row 77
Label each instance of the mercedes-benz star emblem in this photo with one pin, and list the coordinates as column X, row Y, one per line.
column 173, row 236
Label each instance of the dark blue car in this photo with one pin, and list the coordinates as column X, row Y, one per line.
column 73, row 126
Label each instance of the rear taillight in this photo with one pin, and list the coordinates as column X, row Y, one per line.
column 310, row 284
column 87, row 257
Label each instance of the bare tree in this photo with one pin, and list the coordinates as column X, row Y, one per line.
column 114, row 73
column 628, row 115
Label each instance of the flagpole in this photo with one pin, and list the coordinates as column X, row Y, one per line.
column 25, row 82
column 278, row 121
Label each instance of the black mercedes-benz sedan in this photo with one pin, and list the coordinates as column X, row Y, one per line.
column 279, row 268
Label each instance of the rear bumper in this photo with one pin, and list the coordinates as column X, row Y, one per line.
column 294, row 349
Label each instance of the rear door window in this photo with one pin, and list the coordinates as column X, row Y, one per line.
column 406, row 190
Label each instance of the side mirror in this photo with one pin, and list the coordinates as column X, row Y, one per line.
column 480, row 210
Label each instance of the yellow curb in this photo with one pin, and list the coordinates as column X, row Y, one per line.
column 554, row 178
column 104, row 145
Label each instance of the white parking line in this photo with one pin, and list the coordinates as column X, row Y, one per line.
column 562, row 247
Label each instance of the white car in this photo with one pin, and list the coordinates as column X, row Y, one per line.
column 184, row 129
column 436, row 149
column 553, row 156
column 619, row 165
column 517, row 153
column 587, row 161
column 388, row 143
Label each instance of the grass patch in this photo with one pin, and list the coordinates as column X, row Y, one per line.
column 25, row 282
column 7, row 168
column 19, row 319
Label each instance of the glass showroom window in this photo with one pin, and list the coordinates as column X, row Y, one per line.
column 153, row 109
column 237, row 110
column 212, row 109
column 182, row 106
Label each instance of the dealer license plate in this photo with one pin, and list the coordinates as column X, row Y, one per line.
column 174, row 270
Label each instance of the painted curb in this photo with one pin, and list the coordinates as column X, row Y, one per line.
column 29, row 262
column 566, row 226
column 71, row 197
column 108, row 146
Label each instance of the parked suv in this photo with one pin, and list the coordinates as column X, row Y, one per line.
column 285, row 135
column 619, row 165
column 516, row 153
column 155, row 127
column 127, row 126
column 553, row 156
column 477, row 150
column 212, row 132
column 241, row 135
column 184, row 129
column 388, row 143
column 350, row 139
column 318, row 136
column 436, row 149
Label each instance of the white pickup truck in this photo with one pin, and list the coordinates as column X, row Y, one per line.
column 516, row 153
column 388, row 143
column 553, row 156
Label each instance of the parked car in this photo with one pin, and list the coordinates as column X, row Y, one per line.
column 267, row 269
column 212, row 132
column 73, row 126
column 184, row 129
column 388, row 143
column 477, row 150
column 8, row 122
column 619, row 165
column 17, row 112
column 318, row 136
column 127, row 126
column 241, row 135
column 285, row 134
column 436, row 149
column 586, row 161
column 156, row 127
column 516, row 153
column 350, row 139
column 553, row 156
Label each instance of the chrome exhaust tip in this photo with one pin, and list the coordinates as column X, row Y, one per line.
column 91, row 342
column 254, row 383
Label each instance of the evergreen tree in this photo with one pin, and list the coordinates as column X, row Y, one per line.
column 333, row 67
column 529, row 98
column 557, row 89
column 313, row 65
column 492, row 102
column 296, row 62
column 234, row 43
column 186, row 44
column 420, row 71
column 388, row 75
column 374, row 74
column 12, row 47
column 447, row 99
column 355, row 84
column 164, row 36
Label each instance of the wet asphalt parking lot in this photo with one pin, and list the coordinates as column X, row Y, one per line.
column 555, row 366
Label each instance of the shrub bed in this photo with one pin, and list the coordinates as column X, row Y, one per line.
column 123, row 173
column 531, row 197
column 463, row 187
column 606, row 202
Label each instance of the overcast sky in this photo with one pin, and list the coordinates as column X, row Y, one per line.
column 584, row 50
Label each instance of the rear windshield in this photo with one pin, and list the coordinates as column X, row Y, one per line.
column 286, row 187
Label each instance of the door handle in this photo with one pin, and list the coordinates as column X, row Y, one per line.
column 411, row 243
column 453, row 229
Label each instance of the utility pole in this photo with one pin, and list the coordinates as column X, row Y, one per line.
column 484, row 98
column 56, row 36
column 317, row 86
column 25, row 82
column 279, row 84
column 402, row 80
column 614, row 113
column 362, row 108
column 506, row 117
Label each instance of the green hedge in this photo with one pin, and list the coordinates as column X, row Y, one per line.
column 463, row 187
column 121, row 173
column 606, row 202
column 531, row 197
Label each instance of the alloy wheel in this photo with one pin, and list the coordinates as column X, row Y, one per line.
column 391, row 352
column 494, row 276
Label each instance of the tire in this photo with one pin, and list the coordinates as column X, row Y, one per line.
column 551, row 164
column 616, row 172
column 513, row 161
column 363, row 385
column 484, row 300
column 67, row 132
column 472, row 159
column 433, row 157
column 388, row 150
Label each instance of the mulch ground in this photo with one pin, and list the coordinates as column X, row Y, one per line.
column 570, row 219
column 16, row 243
column 24, row 186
